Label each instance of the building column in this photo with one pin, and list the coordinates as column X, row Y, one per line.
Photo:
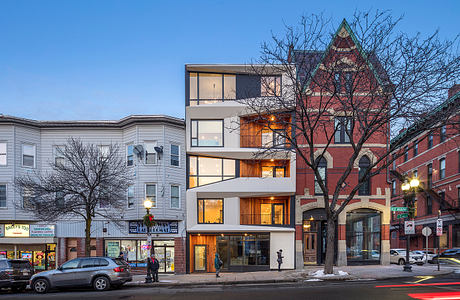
column 341, row 246
column 80, row 247
column 385, row 245
column 100, row 247
column 61, row 251
column 299, row 263
column 179, row 255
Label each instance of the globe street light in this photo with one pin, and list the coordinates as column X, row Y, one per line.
column 406, row 186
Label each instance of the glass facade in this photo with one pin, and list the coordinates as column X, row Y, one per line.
column 363, row 236
column 207, row 133
column 205, row 170
column 244, row 250
column 208, row 88
column 210, row 211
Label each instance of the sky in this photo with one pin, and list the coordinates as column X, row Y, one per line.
column 99, row 60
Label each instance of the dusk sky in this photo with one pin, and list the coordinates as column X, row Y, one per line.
column 67, row 60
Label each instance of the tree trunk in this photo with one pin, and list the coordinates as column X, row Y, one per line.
column 330, row 247
column 88, row 237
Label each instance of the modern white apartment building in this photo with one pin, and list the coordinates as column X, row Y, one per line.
column 154, row 150
column 240, row 204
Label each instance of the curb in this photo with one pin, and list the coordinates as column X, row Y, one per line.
column 177, row 284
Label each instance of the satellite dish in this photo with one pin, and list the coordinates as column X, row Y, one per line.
column 159, row 149
column 139, row 151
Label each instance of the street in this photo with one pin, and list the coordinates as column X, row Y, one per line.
column 443, row 287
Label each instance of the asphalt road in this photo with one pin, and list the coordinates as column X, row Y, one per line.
column 429, row 288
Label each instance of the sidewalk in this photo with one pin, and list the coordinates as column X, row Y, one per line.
column 307, row 274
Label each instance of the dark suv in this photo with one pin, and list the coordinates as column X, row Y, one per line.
column 15, row 273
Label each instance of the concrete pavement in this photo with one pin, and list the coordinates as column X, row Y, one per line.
column 306, row 274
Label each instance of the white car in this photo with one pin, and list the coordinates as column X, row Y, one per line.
column 398, row 256
column 427, row 256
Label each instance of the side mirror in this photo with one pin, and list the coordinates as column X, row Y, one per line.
column 60, row 268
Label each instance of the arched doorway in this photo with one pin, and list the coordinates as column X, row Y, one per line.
column 314, row 233
column 363, row 236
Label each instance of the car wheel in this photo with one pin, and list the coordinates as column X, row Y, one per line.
column 41, row 285
column 101, row 283
column 401, row 261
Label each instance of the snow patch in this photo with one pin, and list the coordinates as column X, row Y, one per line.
column 320, row 273
column 313, row 279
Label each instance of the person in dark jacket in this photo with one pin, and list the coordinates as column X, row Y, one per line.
column 152, row 268
column 218, row 264
column 280, row 259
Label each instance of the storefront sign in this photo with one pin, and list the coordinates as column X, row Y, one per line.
column 16, row 230
column 2, row 230
column 42, row 230
column 113, row 248
column 159, row 227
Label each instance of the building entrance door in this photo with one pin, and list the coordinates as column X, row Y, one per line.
column 200, row 258
column 310, row 251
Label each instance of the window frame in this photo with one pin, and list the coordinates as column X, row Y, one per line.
column 4, row 154
column 204, row 209
column 197, row 100
column 442, row 171
column 57, row 155
column 171, row 197
column 128, row 197
column 100, row 147
column 338, row 82
column 344, row 138
column 429, row 172
column 415, row 148
column 429, row 205
column 278, row 90
column 322, row 163
column 6, row 195
column 155, row 144
column 393, row 188
column 198, row 132
column 430, row 141
column 222, row 175
column 174, row 155
column 442, row 134
column 156, row 192
column 128, row 156
column 406, row 153
column 366, row 188
column 34, row 156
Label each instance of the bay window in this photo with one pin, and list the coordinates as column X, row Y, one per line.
column 206, row 170
column 207, row 133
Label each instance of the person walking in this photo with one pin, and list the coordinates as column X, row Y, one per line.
column 280, row 259
column 152, row 269
column 218, row 264
column 155, row 267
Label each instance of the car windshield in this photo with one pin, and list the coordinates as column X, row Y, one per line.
column 72, row 264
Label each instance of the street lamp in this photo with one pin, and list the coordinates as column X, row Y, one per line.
column 408, row 197
column 148, row 218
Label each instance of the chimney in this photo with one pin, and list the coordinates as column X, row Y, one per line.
column 291, row 49
column 453, row 90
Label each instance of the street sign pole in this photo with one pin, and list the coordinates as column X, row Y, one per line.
column 426, row 231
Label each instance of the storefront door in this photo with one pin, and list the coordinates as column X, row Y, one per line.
column 310, row 251
column 200, row 258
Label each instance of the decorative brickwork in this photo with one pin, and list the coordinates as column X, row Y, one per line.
column 179, row 255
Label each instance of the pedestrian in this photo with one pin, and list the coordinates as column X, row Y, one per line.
column 122, row 255
column 218, row 264
column 280, row 259
column 156, row 266
column 152, row 269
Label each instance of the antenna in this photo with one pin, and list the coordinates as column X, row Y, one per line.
column 139, row 151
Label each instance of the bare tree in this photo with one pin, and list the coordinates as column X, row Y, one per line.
column 87, row 181
column 362, row 86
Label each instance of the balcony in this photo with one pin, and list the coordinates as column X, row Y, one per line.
column 265, row 132
column 265, row 211
column 264, row 168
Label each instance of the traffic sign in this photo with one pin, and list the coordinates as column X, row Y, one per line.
column 439, row 227
column 393, row 208
column 400, row 216
column 426, row 231
column 409, row 227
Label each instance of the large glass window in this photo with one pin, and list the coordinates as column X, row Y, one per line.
column 28, row 155
column 207, row 133
column 273, row 138
column 342, row 129
column 322, row 169
column 270, row 86
column 442, row 168
column 210, row 211
column 2, row 195
column 175, row 155
column 208, row 88
column 175, row 196
column 151, row 193
column 205, row 170
column 247, row 250
column 363, row 235
column 2, row 154
column 364, row 164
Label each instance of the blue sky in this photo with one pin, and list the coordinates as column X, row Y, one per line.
column 85, row 60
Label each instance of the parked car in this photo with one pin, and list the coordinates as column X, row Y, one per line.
column 427, row 256
column 449, row 255
column 99, row 272
column 398, row 256
column 15, row 273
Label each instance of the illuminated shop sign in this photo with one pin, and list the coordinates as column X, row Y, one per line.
column 158, row 227
column 16, row 230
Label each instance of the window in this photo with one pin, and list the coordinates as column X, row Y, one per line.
column 271, row 213
column 206, row 170
column 104, row 150
column 273, row 171
column 175, row 151
column 2, row 195
column 430, row 175
column 406, row 154
column 130, row 195
column 442, row 195
column 150, row 153
column 27, row 198
column 72, row 264
column 28, row 155
column 364, row 165
column 207, row 88
column 2, row 154
column 348, row 82
column 343, row 129
column 270, row 86
column 337, row 83
column 442, row 135
column 207, row 133
column 273, row 138
column 60, row 200
column 59, row 156
column 129, row 155
column 393, row 188
column 442, row 168
column 415, row 148
column 210, row 211
column 429, row 205
column 175, row 196
column 394, row 161
column 322, row 170
column 151, row 193
column 430, row 140
column 415, row 173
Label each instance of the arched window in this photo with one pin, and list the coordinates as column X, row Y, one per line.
column 364, row 164
column 322, row 169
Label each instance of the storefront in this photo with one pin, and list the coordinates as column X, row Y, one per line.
column 33, row 242
column 314, row 237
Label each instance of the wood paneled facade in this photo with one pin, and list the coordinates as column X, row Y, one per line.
column 210, row 242
column 251, row 214
column 253, row 168
column 252, row 128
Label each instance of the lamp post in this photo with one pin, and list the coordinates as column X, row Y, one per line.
column 409, row 203
column 148, row 205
